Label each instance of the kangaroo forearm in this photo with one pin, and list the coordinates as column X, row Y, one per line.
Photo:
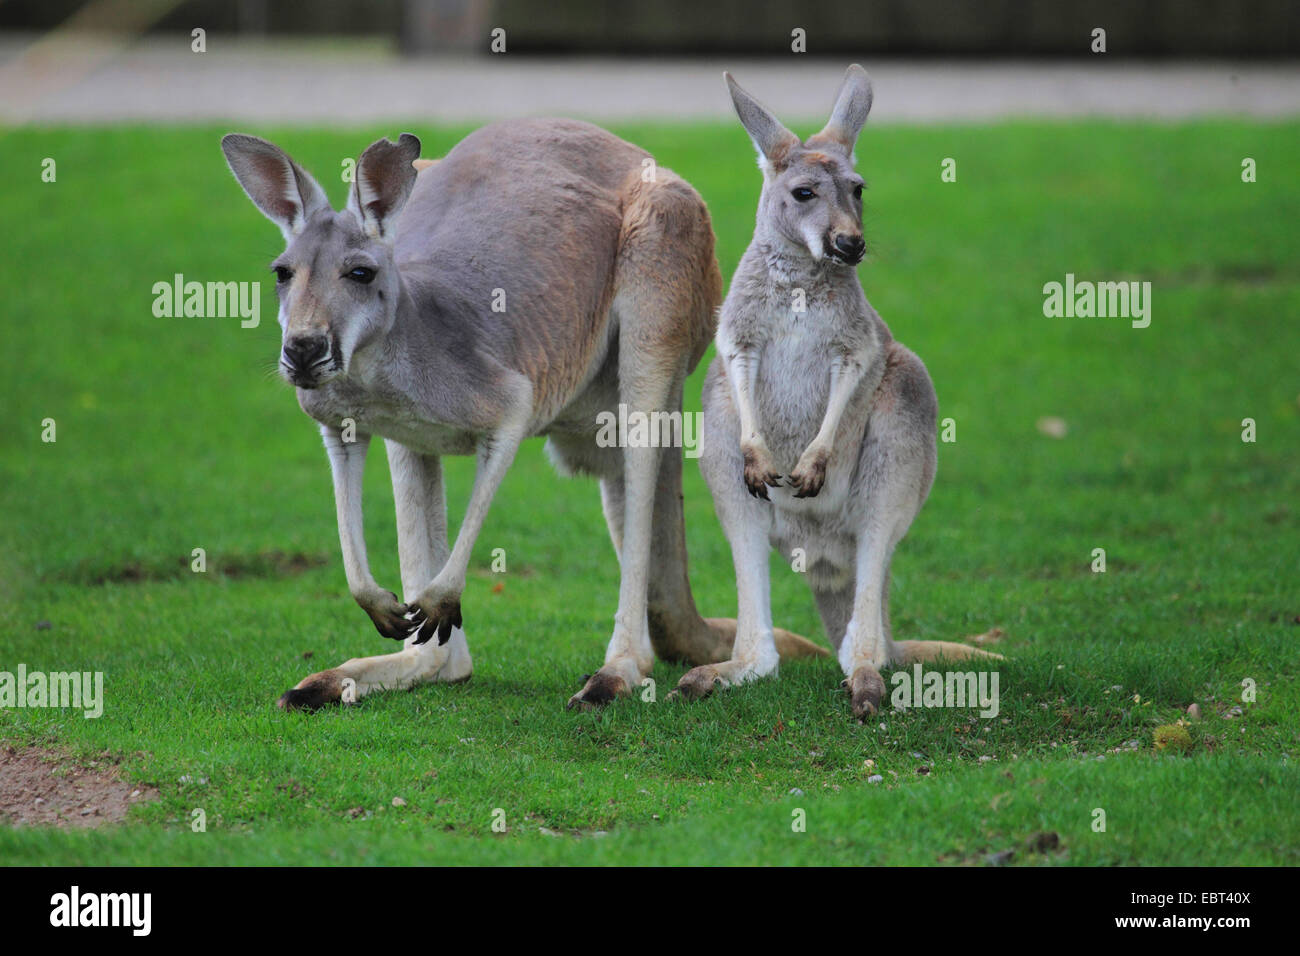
column 494, row 459
column 347, row 466
column 742, row 370
column 845, row 378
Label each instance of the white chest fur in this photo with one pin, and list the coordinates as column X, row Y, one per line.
column 335, row 405
column 792, row 387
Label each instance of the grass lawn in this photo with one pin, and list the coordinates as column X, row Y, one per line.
column 172, row 435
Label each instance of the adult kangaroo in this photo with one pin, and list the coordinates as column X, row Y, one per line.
column 541, row 273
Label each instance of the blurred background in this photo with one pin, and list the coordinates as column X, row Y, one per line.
column 289, row 61
column 612, row 27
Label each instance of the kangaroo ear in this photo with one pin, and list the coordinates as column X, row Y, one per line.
column 383, row 181
column 283, row 190
column 849, row 115
column 772, row 140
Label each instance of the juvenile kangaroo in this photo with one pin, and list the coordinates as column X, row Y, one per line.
column 531, row 279
column 810, row 388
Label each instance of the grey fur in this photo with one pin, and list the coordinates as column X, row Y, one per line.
column 609, row 286
column 819, row 428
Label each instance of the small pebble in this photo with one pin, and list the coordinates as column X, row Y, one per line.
column 875, row 778
column 398, row 802
column 1053, row 426
column 1194, row 711
column 796, row 791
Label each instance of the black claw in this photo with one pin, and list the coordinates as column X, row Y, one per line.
column 441, row 624
column 426, row 631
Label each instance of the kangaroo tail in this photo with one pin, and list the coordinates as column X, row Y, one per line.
column 915, row 652
column 788, row 644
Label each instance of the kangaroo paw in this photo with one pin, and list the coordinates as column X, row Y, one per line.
column 611, row 681
column 698, row 683
column 439, row 618
column 866, row 690
column 809, row 474
column 313, row 692
column 760, row 473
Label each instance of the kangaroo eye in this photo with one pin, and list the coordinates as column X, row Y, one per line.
column 802, row 193
column 857, row 191
column 283, row 274
column 362, row 275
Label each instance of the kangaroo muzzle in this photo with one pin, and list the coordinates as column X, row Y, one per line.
column 304, row 358
column 848, row 249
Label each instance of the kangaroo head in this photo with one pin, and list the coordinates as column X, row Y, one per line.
column 812, row 198
column 336, row 279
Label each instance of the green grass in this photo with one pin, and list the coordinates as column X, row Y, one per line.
column 172, row 436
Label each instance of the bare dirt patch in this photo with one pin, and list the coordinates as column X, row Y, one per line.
column 261, row 564
column 41, row 787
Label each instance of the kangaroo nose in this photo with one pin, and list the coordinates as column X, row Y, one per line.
column 304, row 351
column 851, row 247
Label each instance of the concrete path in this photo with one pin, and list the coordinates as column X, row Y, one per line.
column 254, row 82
